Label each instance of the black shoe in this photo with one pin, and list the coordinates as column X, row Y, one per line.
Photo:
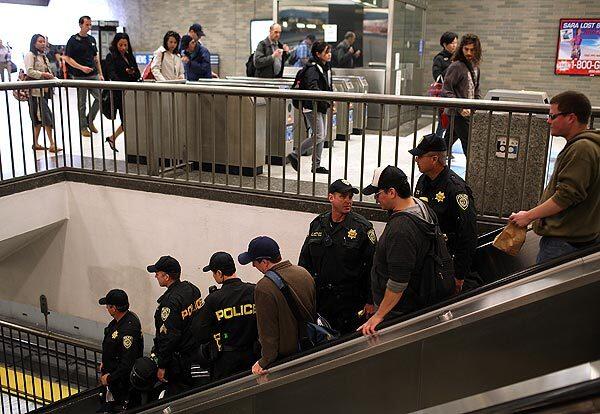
column 321, row 170
column 111, row 144
column 293, row 161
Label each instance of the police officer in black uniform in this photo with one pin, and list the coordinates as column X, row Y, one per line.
column 176, row 343
column 338, row 253
column 452, row 200
column 123, row 343
column 228, row 320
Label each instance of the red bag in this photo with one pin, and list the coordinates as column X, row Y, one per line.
column 147, row 72
column 435, row 89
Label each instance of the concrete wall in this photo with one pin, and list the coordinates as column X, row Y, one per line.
column 113, row 234
column 226, row 24
column 518, row 39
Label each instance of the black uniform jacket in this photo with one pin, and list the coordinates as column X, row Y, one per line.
column 452, row 200
column 229, row 317
column 176, row 320
column 340, row 258
column 123, row 343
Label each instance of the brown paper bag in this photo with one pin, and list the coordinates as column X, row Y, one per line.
column 511, row 239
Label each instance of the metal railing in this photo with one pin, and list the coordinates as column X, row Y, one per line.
column 38, row 368
column 215, row 135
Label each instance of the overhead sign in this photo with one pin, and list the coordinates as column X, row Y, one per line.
column 578, row 48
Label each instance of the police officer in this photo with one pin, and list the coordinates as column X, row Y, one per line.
column 176, row 342
column 123, row 343
column 452, row 200
column 228, row 319
column 338, row 253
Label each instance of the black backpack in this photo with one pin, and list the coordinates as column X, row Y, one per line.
column 298, row 82
column 437, row 274
column 250, row 68
column 310, row 334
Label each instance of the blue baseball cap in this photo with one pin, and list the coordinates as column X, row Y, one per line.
column 261, row 247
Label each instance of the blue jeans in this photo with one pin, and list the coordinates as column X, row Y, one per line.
column 552, row 247
column 439, row 131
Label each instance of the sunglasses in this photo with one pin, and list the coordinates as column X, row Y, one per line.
column 554, row 116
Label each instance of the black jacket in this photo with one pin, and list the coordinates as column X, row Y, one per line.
column 176, row 321
column 317, row 77
column 116, row 65
column 342, row 56
column 263, row 60
column 452, row 200
column 441, row 61
column 123, row 343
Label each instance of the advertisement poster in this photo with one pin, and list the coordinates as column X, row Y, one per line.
column 578, row 49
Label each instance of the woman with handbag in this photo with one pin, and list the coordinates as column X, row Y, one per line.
column 441, row 62
column 462, row 81
column 37, row 67
column 122, row 67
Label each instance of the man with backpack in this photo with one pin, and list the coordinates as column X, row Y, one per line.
column 270, row 55
column 278, row 330
column 411, row 267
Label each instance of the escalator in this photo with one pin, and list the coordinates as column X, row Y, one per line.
column 526, row 322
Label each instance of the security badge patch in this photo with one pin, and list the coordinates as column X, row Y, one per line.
column 115, row 334
column 463, row 201
column 440, row 197
column 372, row 236
column 164, row 313
column 163, row 329
column 352, row 234
column 127, row 341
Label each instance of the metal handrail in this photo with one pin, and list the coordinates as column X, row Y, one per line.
column 477, row 104
column 52, row 336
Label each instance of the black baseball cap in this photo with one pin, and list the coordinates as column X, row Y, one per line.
column 261, row 247
column 115, row 297
column 342, row 186
column 221, row 261
column 197, row 28
column 429, row 143
column 165, row 264
column 385, row 177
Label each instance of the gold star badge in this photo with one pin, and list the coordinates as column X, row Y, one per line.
column 440, row 197
column 352, row 234
column 115, row 334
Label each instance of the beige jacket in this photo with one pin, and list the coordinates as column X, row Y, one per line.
column 166, row 66
column 35, row 65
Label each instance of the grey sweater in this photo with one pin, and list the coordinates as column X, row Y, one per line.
column 458, row 83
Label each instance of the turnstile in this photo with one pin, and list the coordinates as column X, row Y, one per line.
column 345, row 110
column 360, row 86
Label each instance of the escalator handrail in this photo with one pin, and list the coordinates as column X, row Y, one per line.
column 394, row 321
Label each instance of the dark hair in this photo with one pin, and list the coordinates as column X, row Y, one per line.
column 82, row 19
column 122, row 308
column 573, row 102
column 169, row 34
column 468, row 39
column 118, row 37
column 319, row 47
column 174, row 276
column 311, row 37
column 34, row 40
column 274, row 259
column 185, row 41
column 402, row 188
column 447, row 37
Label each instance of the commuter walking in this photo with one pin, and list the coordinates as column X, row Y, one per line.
column 270, row 55
column 411, row 261
column 166, row 63
column 5, row 62
column 441, row 62
column 121, row 67
column 83, row 62
column 196, row 32
column 37, row 66
column 196, row 59
column 277, row 325
column 344, row 55
column 567, row 217
column 462, row 81
column 302, row 53
column 338, row 253
column 317, row 77
column 123, row 343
